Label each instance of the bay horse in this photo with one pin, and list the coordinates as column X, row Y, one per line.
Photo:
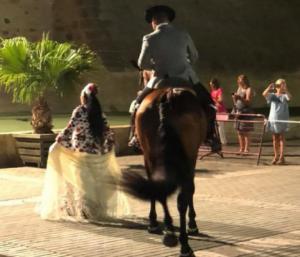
column 170, row 126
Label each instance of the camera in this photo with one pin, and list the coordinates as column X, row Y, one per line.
column 273, row 86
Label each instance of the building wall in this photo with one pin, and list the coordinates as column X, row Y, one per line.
column 229, row 34
column 28, row 18
column 258, row 38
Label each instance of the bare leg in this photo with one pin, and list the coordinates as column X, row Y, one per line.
column 247, row 142
column 275, row 148
column 241, row 141
column 281, row 143
column 278, row 144
column 274, row 145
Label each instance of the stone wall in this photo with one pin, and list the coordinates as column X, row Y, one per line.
column 238, row 34
column 259, row 38
column 28, row 18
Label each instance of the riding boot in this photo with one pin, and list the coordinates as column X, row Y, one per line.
column 131, row 134
column 132, row 129
column 203, row 95
column 133, row 141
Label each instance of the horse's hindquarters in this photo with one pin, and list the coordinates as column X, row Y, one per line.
column 193, row 134
column 170, row 125
column 184, row 114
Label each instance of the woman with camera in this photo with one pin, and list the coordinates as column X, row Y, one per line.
column 277, row 96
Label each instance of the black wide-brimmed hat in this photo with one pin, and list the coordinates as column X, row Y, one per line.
column 158, row 9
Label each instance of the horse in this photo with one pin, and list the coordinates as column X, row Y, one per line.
column 170, row 126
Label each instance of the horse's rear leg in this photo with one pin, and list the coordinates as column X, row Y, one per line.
column 192, row 225
column 170, row 238
column 182, row 204
column 153, row 226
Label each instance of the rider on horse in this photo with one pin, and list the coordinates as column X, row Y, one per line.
column 169, row 53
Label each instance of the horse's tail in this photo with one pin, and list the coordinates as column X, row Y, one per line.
column 147, row 189
column 173, row 162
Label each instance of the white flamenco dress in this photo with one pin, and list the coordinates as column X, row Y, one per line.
column 81, row 186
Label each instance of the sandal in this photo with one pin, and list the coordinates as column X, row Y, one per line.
column 275, row 160
column 240, row 152
column 281, row 161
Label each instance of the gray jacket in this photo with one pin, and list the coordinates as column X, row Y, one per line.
column 168, row 51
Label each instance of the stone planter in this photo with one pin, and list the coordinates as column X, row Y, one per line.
column 33, row 148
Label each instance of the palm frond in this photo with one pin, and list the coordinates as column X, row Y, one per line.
column 28, row 70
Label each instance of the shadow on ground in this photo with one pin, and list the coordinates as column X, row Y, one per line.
column 213, row 234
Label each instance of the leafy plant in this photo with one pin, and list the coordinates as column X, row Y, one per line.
column 29, row 69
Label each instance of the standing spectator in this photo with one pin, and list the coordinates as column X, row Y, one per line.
column 217, row 96
column 277, row 95
column 242, row 100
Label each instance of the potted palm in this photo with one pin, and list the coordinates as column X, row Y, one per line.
column 28, row 70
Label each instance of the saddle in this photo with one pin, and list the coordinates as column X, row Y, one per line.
column 177, row 84
column 171, row 82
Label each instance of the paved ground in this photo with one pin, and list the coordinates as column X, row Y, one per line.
column 243, row 210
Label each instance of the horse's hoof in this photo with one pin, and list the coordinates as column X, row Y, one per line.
column 193, row 231
column 155, row 230
column 188, row 254
column 170, row 240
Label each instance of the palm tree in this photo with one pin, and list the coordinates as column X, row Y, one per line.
column 29, row 70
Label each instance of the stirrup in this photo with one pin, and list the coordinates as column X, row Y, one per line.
column 133, row 142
